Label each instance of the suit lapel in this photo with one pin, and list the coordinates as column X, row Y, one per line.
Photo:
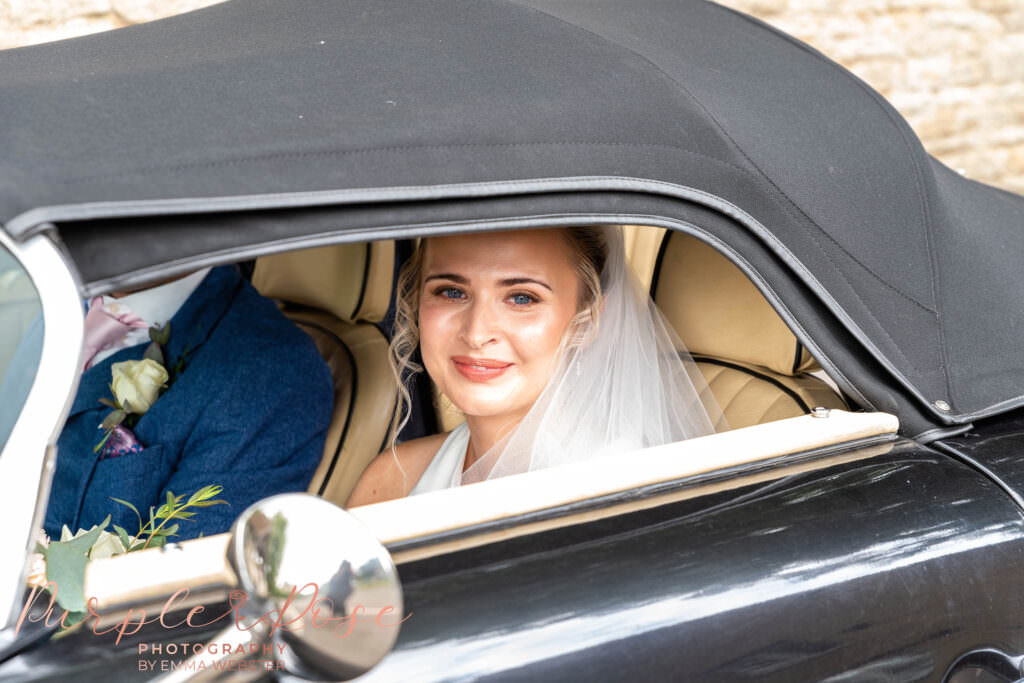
column 195, row 321
column 191, row 326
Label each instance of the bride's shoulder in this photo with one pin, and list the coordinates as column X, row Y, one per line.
column 393, row 474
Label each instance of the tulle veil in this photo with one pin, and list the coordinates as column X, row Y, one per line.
column 630, row 385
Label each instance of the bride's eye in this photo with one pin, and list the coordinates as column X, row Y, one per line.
column 449, row 293
column 523, row 299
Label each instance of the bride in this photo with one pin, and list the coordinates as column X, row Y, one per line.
column 545, row 340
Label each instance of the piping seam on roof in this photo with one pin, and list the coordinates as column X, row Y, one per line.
column 904, row 129
column 758, row 178
column 456, row 190
column 671, row 190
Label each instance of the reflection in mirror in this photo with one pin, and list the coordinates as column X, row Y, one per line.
column 331, row 586
column 21, row 340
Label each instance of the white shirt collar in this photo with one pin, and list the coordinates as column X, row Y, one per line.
column 156, row 305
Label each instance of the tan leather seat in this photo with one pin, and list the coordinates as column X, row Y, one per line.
column 335, row 294
column 755, row 367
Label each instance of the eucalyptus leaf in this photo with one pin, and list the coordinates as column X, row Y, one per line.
column 132, row 507
column 65, row 566
column 205, row 493
column 126, row 540
column 208, row 503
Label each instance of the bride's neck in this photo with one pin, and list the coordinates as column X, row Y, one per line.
column 485, row 432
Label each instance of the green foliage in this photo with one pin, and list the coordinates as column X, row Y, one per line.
column 155, row 532
column 66, row 559
column 65, row 566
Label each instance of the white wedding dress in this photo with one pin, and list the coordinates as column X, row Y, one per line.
column 445, row 469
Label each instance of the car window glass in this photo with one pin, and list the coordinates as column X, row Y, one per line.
column 21, row 340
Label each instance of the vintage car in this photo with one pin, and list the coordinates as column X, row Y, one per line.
column 854, row 304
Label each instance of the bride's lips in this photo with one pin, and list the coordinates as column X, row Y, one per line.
column 480, row 369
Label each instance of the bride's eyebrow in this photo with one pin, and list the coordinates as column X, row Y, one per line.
column 447, row 276
column 507, row 282
column 513, row 281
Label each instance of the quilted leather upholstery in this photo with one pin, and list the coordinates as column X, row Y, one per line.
column 748, row 395
column 333, row 293
column 757, row 371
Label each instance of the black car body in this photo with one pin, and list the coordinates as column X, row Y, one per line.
column 255, row 127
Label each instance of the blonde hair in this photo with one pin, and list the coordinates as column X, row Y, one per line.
column 589, row 248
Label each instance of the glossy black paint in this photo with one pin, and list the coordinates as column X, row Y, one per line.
column 997, row 447
column 890, row 567
column 887, row 568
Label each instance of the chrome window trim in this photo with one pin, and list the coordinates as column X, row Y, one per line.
column 28, row 458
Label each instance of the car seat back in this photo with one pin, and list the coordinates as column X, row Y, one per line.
column 336, row 294
column 756, row 368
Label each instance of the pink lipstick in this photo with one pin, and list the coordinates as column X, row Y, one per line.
column 480, row 369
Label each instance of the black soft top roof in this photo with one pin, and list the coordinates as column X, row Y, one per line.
column 263, row 103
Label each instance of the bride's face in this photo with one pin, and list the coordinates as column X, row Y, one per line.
column 493, row 310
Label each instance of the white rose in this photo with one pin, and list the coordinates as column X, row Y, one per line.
column 137, row 383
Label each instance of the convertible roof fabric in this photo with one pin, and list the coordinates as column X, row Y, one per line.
column 263, row 97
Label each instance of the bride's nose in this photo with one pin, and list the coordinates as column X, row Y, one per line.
column 479, row 325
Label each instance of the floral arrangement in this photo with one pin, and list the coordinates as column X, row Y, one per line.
column 135, row 386
column 63, row 562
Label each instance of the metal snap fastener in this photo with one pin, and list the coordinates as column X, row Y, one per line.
column 943, row 406
column 820, row 411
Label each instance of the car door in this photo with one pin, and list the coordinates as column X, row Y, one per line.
column 858, row 562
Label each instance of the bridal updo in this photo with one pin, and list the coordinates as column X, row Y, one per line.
column 589, row 249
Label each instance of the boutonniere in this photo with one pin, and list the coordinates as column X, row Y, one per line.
column 135, row 386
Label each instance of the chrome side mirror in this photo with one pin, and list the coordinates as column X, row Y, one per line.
column 318, row 595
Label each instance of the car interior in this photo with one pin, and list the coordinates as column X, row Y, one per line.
column 341, row 295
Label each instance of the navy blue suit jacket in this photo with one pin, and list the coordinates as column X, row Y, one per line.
column 250, row 412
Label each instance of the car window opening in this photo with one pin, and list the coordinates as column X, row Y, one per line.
column 343, row 297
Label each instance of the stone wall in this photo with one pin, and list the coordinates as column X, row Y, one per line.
column 954, row 68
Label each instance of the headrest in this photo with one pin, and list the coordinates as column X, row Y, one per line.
column 351, row 281
column 717, row 311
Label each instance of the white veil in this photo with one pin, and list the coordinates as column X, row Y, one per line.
column 629, row 386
